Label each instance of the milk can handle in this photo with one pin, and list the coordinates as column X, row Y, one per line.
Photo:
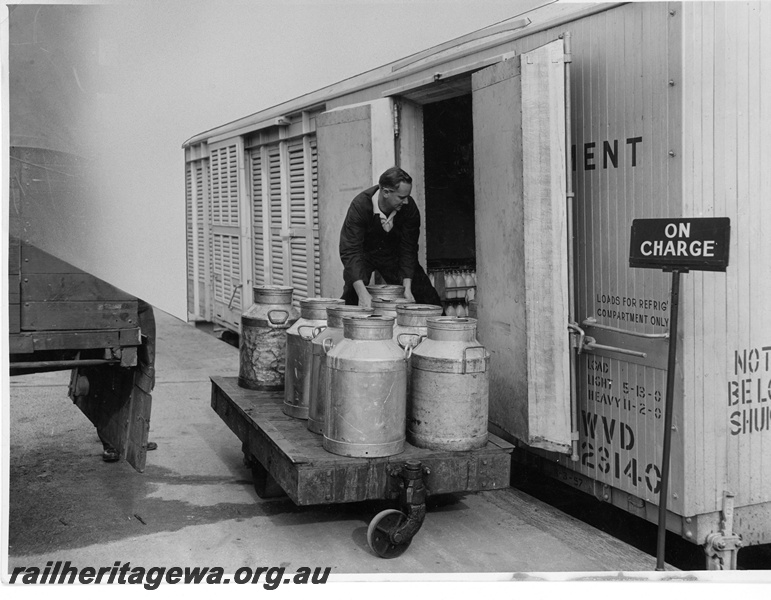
column 315, row 330
column 286, row 316
column 417, row 335
column 466, row 349
column 408, row 351
column 326, row 347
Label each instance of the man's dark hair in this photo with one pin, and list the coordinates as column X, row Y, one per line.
column 392, row 177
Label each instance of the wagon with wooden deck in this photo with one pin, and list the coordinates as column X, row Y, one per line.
column 285, row 457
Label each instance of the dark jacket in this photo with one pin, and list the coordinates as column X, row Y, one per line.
column 364, row 245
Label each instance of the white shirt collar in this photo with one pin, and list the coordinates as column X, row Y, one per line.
column 380, row 213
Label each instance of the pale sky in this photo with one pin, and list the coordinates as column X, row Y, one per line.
column 187, row 66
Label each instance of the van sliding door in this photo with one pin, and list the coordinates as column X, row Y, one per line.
column 521, row 244
column 356, row 144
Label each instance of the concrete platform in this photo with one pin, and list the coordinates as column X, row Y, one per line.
column 195, row 504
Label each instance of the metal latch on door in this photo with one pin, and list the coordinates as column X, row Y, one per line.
column 589, row 343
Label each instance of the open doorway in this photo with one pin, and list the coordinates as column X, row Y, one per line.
column 448, row 142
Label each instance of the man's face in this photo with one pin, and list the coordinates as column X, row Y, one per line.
column 394, row 199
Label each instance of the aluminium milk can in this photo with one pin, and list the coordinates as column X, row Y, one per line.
column 450, row 382
column 411, row 329
column 411, row 322
column 366, row 398
column 262, row 343
column 297, row 381
column 333, row 333
column 386, row 290
column 386, row 307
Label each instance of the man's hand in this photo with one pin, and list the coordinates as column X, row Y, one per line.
column 407, row 283
column 365, row 298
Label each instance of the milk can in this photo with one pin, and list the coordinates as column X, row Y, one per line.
column 385, row 290
column 449, row 393
column 318, row 376
column 411, row 322
column 410, row 329
column 262, row 343
column 313, row 319
column 365, row 407
column 386, row 307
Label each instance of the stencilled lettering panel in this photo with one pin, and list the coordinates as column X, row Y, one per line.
column 749, row 392
column 621, row 408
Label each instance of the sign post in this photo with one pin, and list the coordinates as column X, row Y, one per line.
column 676, row 246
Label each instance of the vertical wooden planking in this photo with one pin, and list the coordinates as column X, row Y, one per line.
column 671, row 21
column 739, row 30
column 760, row 269
column 714, row 304
column 728, row 177
column 691, row 323
column 750, row 201
column 726, row 199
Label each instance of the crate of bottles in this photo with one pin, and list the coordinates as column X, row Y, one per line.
column 456, row 288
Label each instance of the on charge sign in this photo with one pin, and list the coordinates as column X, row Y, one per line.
column 699, row 244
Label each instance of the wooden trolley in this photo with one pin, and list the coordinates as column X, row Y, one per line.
column 285, row 456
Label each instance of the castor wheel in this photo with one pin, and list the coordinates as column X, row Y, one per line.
column 380, row 530
column 264, row 484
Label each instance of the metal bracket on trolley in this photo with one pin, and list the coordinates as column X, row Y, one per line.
column 391, row 531
column 722, row 548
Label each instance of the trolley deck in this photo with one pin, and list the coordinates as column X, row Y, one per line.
column 286, row 452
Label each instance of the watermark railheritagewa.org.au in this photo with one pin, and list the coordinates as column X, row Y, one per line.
column 123, row 573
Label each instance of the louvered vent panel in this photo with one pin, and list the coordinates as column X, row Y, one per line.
column 276, row 244
column 297, row 200
column 201, row 224
column 274, row 177
column 210, row 211
column 315, row 214
column 189, row 216
column 232, row 201
column 258, row 218
column 300, row 268
column 227, row 269
column 215, row 187
column 277, row 260
column 224, row 185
